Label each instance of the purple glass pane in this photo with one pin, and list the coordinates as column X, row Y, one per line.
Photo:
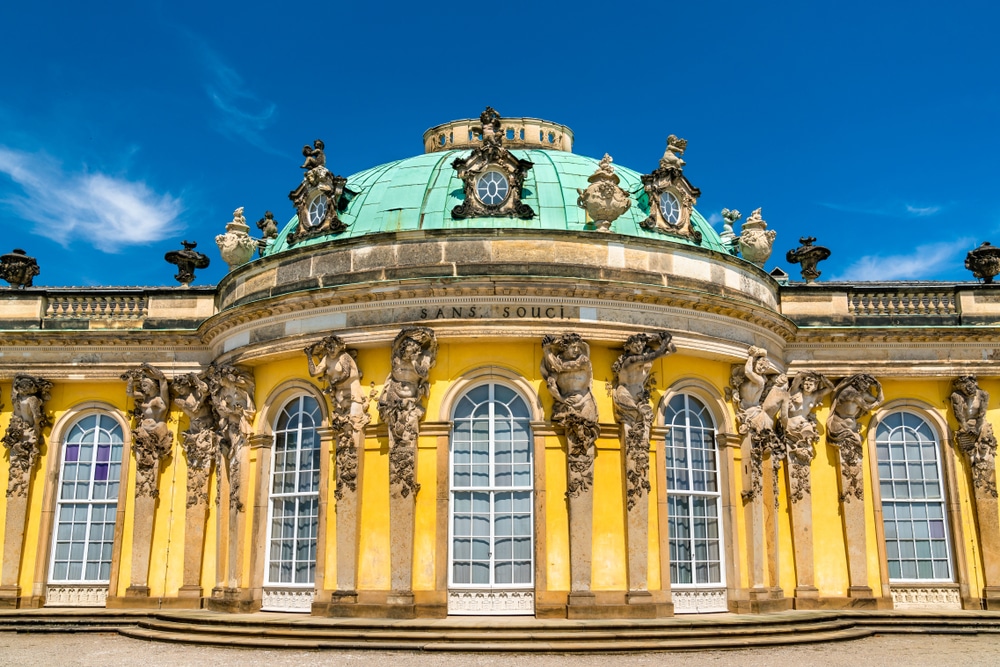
column 101, row 472
column 103, row 453
column 72, row 453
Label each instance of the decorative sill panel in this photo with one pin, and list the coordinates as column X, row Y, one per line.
column 296, row 600
column 76, row 596
column 491, row 603
column 703, row 601
column 925, row 597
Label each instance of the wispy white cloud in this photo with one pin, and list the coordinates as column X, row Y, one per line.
column 715, row 219
column 926, row 261
column 242, row 114
column 107, row 212
column 892, row 210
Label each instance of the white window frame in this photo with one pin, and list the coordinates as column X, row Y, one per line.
column 492, row 490
column 108, row 503
column 942, row 500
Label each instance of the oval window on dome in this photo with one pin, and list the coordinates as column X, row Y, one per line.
column 492, row 188
column 317, row 211
column 670, row 207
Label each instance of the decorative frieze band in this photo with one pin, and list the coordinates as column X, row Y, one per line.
column 494, row 603
column 287, row 599
column 700, row 601
column 76, row 596
column 926, row 597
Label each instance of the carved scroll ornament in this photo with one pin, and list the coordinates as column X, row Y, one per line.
column 414, row 352
column 569, row 376
column 335, row 365
column 23, row 437
column 151, row 439
column 631, row 389
column 974, row 434
column 853, row 398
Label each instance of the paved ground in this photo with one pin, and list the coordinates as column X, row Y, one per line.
column 98, row 650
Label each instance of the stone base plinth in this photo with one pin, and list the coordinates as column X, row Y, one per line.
column 232, row 600
column 392, row 611
column 650, row 610
column 137, row 592
column 10, row 597
column 991, row 598
column 762, row 601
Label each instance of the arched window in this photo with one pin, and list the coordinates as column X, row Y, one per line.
column 294, row 506
column 491, row 538
column 913, row 511
column 87, row 501
column 694, row 502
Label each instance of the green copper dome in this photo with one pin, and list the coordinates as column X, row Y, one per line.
column 419, row 193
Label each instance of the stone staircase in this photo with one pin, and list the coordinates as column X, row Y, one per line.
column 497, row 634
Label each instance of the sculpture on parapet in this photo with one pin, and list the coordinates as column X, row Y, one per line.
column 603, row 199
column 332, row 362
column 808, row 255
column 853, row 398
column 756, row 240
column 799, row 428
column 315, row 155
column 317, row 199
column 569, row 376
column 232, row 392
column 18, row 269
column 757, row 403
column 187, row 260
column 974, row 434
column 631, row 389
column 670, row 195
column 728, row 236
column 151, row 439
column 268, row 227
column 984, row 262
column 414, row 352
column 200, row 441
column 23, row 437
column 236, row 246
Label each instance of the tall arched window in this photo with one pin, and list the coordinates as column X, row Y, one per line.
column 294, row 508
column 87, row 502
column 913, row 511
column 491, row 546
column 694, row 505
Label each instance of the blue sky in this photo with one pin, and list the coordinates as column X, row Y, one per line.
column 127, row 127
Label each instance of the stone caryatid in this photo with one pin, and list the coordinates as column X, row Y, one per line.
column 756, row 410
column 414, row 352
column 151, row 439
column 603, row 199
column 630, row 392
column 756, row 241
column 974, row 434
column 569, row 377
column 232, row 390
column 200, row 441
column 853, row 398
column 23, row 437
column 332, row 362
column 799, row 428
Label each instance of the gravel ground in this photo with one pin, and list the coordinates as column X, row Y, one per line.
column 99, row 650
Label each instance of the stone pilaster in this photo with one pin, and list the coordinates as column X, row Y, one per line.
column 13, row 542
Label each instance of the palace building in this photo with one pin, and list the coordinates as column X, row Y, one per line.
column 500, row 378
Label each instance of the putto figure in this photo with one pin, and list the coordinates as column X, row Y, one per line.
column 974, row 434
column 23, row 437
column 332, row 362
column 414, row 352
column 853, row 397
column 799, row 427
column 314, row 156
column 151, row 439
column 631, row 390
column 569, row 376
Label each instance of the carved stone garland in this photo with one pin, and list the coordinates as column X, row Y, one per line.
column 23, row 437
column 317, row 199
column 151, row 439
column 974, row 434
column 631, row 382
column 414, row 352
column 671, row 195
column 491, row 156
column 853, row 397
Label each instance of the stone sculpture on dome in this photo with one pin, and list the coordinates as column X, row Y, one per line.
column 236, row 246
column 314, row 155
column 318, row 198
column 670, row 195
column 756, row 240
column 603, row 199
column 492, row 176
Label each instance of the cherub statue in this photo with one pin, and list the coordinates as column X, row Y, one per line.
column 330, row 360
column 671, row 157
column 268, row 226
column 492, row 132
column 974, row 434
column 853, row 397
column 238, row 216
column 315, row 156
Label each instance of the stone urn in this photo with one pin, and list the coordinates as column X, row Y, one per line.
column 756, row 240
column 984, row 262
column 603, row 200
column 236, row 246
